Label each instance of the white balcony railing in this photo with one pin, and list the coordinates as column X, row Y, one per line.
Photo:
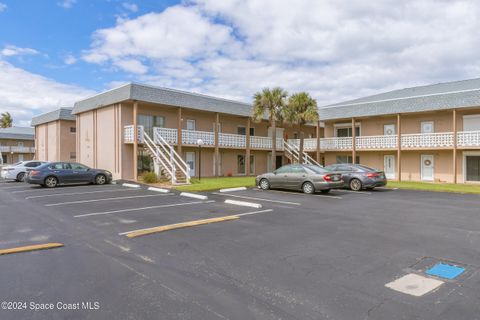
column 427, row 140
column 17, row 149
column 232, row 140
column 128, row 134
column 468, row 139
column 343, row 143
column 192, row 136
column 309, row 144
column 376, row 142
column 169, row 135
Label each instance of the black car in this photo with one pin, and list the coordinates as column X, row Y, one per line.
column 358, row 177
column 54, row 173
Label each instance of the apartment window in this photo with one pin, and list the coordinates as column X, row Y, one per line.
column 347, row 132
column 191, row 124
column 73, row 130
column 347, row 159
column 20, row 144
column 295, row 135
column 149, row 122
column 73, row 156
column 243, row 130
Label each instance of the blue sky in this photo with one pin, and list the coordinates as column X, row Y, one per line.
column 56, row 52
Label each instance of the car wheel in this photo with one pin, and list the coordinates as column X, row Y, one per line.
column 264, row 184
column 308, row 188
column 20, row 176
column 355, row 184
column 325, row 191
column 51, row 182
column 100, row 179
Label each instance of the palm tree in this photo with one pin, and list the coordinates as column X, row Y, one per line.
column 270, row 102
column 301, row 109
column 6, row 120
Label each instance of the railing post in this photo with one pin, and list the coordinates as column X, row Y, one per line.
column 318, row 141
column 135, row 141
column 217, row 150
column 454, row 145
column 179, row 131
column 354, row 135
column 172, row 163
column 399, row 147
column 247, row 148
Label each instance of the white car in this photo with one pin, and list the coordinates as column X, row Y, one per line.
column 17, row 171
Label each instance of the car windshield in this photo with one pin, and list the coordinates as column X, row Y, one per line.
column 317, row 169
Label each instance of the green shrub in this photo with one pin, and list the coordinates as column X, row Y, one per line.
column 150, row 177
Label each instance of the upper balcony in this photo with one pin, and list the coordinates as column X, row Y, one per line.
column 17, row 149
column 439, row 140
column 191, row 137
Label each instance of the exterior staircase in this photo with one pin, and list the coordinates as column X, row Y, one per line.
column 168, row 163
column 292, row 152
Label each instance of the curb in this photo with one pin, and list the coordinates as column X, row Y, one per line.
column 158, row 189
column 131, row 185
column 194, row 195
column 243, row 203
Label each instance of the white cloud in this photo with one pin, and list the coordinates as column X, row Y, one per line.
column 70, row 59
column 66, row 4
column 3, row 6
column 130, row 6
column 10, row 50
column 334, row 49
column 26, row 94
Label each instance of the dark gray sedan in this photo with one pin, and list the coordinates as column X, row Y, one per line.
column 308, row 178
column 358, row 177
column 54, row 173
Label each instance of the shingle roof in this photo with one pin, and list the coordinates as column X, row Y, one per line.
column 442, row 96
column 17, row 133
column 171, row 97
column 59, row 114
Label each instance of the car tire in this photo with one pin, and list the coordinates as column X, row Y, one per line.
column 355, row 184
column 100, row 179
column 308, row 188
column 264, row 184
column 20, row 177
column 50, row 182
column 325, row 191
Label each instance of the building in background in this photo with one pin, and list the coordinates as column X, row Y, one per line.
column 55, row 135
column 17, row 144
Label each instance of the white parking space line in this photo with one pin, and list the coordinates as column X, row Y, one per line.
column 105, row 199
column 142, row 208
column 67, row 187
column 235, row 215
column 259, row 199
column 78, row 193
column 300, row 194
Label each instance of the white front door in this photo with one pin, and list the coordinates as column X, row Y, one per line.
column 389, row 129
column 389, row 166
column 427, row 127
column 427, row 167
column 190, row 160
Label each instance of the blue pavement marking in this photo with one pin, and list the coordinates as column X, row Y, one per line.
column 446, row 271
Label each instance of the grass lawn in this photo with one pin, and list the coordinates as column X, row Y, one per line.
column 207, row 184
column 439, row 187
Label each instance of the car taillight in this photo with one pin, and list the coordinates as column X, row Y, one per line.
column 327, row 177
column 34, row 172
column 372, row 175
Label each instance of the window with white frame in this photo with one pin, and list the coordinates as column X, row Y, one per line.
column 191, row 124
column 345, row 130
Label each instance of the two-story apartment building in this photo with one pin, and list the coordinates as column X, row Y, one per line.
column 427, row 133
column 178, row 133
column 55, row 135
column 16, row 144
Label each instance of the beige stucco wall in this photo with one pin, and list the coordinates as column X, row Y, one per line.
column 54, row 141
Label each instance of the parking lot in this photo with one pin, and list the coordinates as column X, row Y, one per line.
column 322, row 256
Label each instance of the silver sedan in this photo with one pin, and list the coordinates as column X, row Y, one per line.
column 305, row 177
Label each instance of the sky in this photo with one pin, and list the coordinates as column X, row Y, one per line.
column 56, row 52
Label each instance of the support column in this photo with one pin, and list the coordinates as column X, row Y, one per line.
column 179, row 131
column 135, row 141
column 318, row 141
column 454, row 146
column 399, row 147
column 247, row 148
column 354, row 147
column 217, row 150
